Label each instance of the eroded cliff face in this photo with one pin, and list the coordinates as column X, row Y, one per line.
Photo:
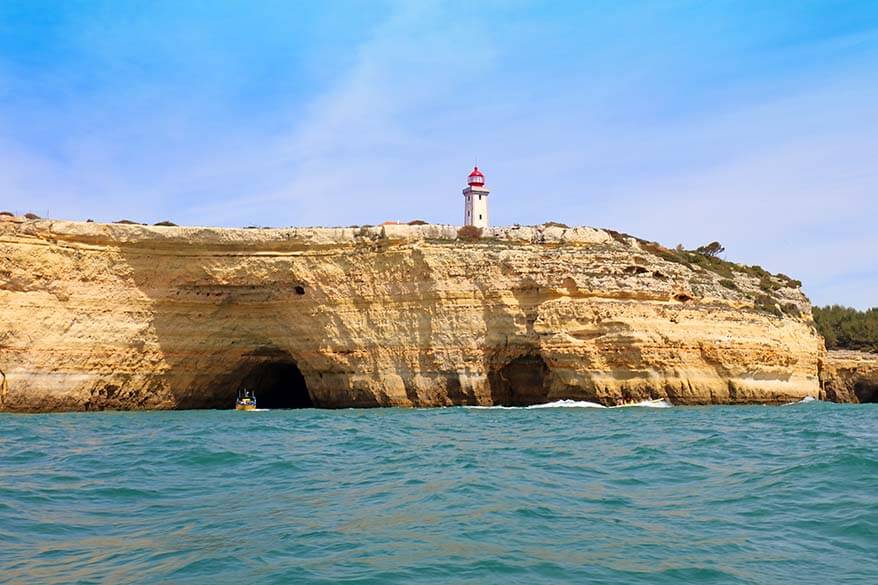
column 99, row 316
column 850, row 376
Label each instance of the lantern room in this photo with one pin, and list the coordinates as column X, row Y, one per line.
column 476, row 178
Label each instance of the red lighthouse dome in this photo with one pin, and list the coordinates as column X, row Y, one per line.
column 476, row 178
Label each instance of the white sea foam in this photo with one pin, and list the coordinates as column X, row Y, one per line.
column 556, row 404
column 567, row 403
column 655, row 404
column 804, row 400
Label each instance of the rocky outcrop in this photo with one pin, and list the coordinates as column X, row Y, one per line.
column 96, row 316
column 850, row 376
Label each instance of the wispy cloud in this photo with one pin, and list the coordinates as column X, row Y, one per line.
column 368, row 148
column 678, row 122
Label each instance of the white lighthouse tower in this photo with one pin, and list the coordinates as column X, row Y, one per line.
column 475, row 207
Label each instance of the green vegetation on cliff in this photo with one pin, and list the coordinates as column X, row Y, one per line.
column 767, row 299
column 707, row 258
column 847, row 328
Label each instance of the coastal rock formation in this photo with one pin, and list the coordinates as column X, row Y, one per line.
column 96, row 316
column 850, row 376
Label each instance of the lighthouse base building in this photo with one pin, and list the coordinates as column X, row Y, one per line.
column 475, row 207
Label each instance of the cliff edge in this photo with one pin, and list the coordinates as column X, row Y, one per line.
column 850, row 376
column 96, row 316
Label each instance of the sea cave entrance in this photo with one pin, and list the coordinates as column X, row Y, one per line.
column 866, row 392
column 277, row 384
column 521, row 382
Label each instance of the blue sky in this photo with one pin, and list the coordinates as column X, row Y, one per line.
column 751, row 123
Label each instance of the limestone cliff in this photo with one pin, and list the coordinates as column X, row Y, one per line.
column 850, row 376
column 99, row 316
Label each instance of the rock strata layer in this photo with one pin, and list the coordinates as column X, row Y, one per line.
column 96, row 316
column 850, row 376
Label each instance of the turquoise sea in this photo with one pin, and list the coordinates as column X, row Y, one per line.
column 749, row 494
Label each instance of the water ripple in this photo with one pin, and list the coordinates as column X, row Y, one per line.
column 458, row 495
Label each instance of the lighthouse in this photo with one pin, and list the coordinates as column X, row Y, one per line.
column 475, row 206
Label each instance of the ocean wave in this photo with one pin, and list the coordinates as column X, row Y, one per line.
column 567, row 403
column 442, row 495
column 804, row 400
column 654, row 404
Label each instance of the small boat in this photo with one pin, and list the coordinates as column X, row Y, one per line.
column 246, row 400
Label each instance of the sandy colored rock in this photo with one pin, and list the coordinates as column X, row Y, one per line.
column 850, row 376
column 97, row 316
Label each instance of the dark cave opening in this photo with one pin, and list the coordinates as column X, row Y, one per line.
column 278, row 384
column 521, row 382
column 866, row 392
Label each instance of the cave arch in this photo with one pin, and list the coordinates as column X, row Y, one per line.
column 277, row 384
column 866, row 392
column 521, row 382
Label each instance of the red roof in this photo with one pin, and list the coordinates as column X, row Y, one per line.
column 476, row 178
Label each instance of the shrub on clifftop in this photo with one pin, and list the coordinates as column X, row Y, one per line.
column 707, row 258
column 848, row 328
column 711, row 249
column 469, row 232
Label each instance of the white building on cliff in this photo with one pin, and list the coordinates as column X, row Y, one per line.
column 475, row 200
